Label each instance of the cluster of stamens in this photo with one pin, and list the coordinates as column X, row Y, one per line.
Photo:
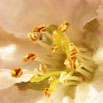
column 64, row 63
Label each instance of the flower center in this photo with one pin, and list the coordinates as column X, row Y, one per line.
column 62, row 61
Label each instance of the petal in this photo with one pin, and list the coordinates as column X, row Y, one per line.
column 20, row 16
column 13, row 49
column 6, row 80
column 93, row 96
column 14, row 95
column 23, row 15
column 82, row 93
column 98, row 77
column 89, row 34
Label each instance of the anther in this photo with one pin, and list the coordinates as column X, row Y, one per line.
column 29, row 57
column 42, row 68
column 33, row 37
column 39, row 28
column 63, row 27
column 16, row 72
column 54, row 48
column 47, row 92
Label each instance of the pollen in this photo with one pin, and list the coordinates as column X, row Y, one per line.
column 72, row 61
column 62, row 61
column 51, row 79
column 63, row 27
column 39, row 28
column 47, row 92
column 33, row 37
column 29, row 57
column 42, row 68
column 16, row 72
column 54, row 48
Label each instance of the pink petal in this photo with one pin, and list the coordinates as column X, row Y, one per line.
column 13, row 49
column 18, row 17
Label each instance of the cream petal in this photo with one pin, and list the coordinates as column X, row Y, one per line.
column 19, row 17
column 98, row 57
column 23, row 20
column 96, row 99
column 94, row 96
column 81, row 94
column 90, row 95
column 13, row 49
column 14, row 95
column 23, row 15
column 98, row 77
column 63, row 93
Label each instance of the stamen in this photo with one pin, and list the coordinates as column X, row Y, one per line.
column 42, row 68
column 29, row 57
column 65, row 45
column 57, row 38
column 72, row 83
column 48, row 35
column 74, row 63
column 33, row 37
column 39, row 28
column 47, row 92
column 63, row 27
column 84, row 72
column 16, row 72
column 44, row 45
column 51, row 79
column 36, row 78
column 53, row 85
column 54, row 48
column 64, row 76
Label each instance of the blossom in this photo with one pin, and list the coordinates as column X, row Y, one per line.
column 85, row 30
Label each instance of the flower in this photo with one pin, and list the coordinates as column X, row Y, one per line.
column 85, row 30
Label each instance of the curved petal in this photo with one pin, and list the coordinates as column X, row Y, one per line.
column 14, row 95
column 18, row 17
column 82, row 91
column 6, row 80
column 13, row 49
column 98, row 77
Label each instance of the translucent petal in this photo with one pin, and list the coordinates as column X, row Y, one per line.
column 14, row 95
column 18, row 17
column 6, row 80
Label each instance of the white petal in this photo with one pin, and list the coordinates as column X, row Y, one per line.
column 94, row 97
column 67, row 100
column 98, row 57
column 81, row 93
